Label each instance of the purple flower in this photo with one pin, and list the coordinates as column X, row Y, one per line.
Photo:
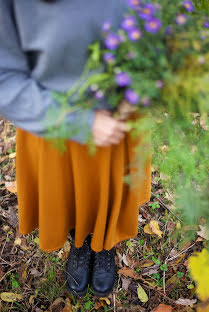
column 153, row 25
column 131, row 55
column 181, row 19
column 145, row 101
column 106, row 26
column 188, row 5
column 169, row 30
column 201, row 60
column 159, row 84
column 112, row 41
column 128, row 22
column 99, row 95
column 109, row 58
column 206, row 24
column 134, row 34
column 134, row 4
column 123, row 79
column 147, row 12
column 132, row 97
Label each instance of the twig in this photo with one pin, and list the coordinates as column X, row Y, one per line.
column 165, row 206
column 7, row 274
column 183, row 251
column 114, row 302
column 4, row 245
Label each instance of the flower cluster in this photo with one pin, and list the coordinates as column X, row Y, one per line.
column 150, row 45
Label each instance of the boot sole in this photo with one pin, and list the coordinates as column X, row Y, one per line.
column 98, row 294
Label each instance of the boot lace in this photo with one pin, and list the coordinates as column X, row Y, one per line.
column 103, row 260
column 82, row 255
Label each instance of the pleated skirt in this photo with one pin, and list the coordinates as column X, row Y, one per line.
column 58, row 192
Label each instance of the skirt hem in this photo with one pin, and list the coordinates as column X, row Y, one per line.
column 122, row 237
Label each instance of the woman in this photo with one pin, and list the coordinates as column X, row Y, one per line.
column 43, row 47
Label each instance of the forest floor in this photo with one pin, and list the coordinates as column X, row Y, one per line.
column 152, row 268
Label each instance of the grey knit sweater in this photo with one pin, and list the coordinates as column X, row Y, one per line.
column 43, row 49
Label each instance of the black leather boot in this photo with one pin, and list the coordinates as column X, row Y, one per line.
column 103, row 272
column 78, row 268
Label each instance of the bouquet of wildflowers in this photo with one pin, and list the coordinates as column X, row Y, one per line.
column 157, row 63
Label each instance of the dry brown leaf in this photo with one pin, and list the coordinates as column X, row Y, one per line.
column 97, row 305
column 172, row 282
column 128, row 272
column 125, row 282
column 125, row 260
column 146, row 263
column 163, row 308
column 204, row 233
column 11, row 186
column 68, row 306
column 203, row 123
column 56, row 303
column 180, row 258
column 31, row 299
column 107, row 300
column 186, row 302
column 24, row 273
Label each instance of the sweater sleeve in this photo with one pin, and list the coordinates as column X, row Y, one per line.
column 23, row 100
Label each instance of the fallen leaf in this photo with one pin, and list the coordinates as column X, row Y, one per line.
column 146, row 263
column 172, row 282
column 12, row 155
column 125, row 282
column 186, row 302
column 153, row 228
column 35, row 272
column 10, row 297
column 204, row 307
column 97, row 305
column 203, row 123
column 31, row 299
column 199, row 267
column 11, row 186
column 148, row 230
column 67, row 246
column 149, row 271
column 36, row 240
column 163, row 308
column 56, row 303
column 24, row 274
column 17, row 241
column 125, row 260
column 180, row 258
column 204, row 233
column 128, row 272
column 107, row 300
column 142, row 294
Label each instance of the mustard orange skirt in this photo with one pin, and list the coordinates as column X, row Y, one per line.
column 75, row 190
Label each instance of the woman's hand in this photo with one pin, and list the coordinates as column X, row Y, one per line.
column 107, row 130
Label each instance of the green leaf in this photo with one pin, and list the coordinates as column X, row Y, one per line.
column 87, row 305
column 164, row 267
column 36, row 240
column 142, row 294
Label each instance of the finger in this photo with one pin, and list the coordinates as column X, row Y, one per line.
column 122, row 126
